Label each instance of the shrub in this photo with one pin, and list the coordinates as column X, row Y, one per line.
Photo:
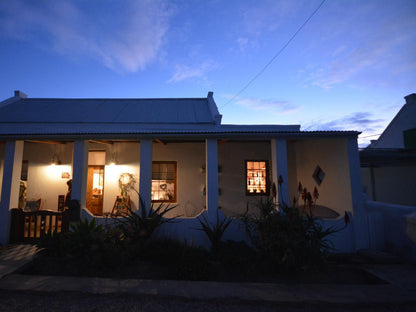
column 54, row 244
column 193, row 264
column 290, row 240
column 214, row 232
column 237, row 257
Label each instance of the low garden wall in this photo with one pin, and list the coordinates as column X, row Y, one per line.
column 392, row 228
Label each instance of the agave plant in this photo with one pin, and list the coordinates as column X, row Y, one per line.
column 142, row 224
column 215, row 231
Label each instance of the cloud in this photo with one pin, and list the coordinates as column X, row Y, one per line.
column 364, row 122
column 351, row 63
column 270, row 105
column 124, row 37
column 257, row 20
column 184, row 72
column 360, row 121
column 371, row 53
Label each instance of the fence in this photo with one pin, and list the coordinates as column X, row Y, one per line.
column 30, row 226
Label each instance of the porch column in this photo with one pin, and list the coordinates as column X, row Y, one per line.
column 211, row 178
column 359, row 219
column 11, row 185
column 279, row 167
column 80, row 172
column 145, row 180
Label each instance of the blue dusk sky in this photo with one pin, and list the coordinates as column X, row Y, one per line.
column 326, row 65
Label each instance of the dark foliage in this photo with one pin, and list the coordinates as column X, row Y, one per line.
column 142, row 224
column 291, row 241
column 214, row 232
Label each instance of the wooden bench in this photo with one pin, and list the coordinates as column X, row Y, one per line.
column 30, row 226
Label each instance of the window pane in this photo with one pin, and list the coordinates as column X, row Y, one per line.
column 256, row 182
column 97, row 182
column 164, row 181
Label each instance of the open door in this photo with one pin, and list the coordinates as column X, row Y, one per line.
column 95, row 189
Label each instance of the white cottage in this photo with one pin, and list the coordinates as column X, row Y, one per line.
column 179, row 152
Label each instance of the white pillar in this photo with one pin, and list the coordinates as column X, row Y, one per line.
column 211, row 178
column 80, row 172
column 359, row 219
column 145, row 180
column 11, row 185
column 279, row 167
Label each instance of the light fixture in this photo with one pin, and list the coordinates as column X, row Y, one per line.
column 55, row 160
column 113, row 160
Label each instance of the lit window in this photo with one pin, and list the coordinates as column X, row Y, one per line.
column 164, row 181
column 256, row 178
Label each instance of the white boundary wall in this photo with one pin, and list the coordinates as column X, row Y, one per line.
column 390, row 228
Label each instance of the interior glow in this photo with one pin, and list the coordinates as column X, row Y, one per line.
column 256, row 177
column 97, row 182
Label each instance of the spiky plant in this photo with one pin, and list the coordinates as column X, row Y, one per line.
column 215, row 231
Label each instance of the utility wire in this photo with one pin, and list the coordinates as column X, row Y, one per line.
column 274, row 57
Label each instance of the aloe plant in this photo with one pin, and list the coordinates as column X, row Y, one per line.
column 142, row 224
column 215, row 231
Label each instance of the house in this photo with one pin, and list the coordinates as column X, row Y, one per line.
column 177, row 151
column 388, row 165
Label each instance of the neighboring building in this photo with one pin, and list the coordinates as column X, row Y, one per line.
column 388, row 165
column 179, row 152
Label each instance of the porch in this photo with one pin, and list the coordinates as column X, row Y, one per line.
column 208, row 174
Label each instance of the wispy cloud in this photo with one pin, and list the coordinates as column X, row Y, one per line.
column 272, row 106
column 356, row 121
column 184, row 72
column 373, row 55
column 364, row 122
column 260, row 18
column 124, row 37
column 351, row 63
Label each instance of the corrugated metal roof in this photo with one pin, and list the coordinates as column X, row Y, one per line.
column 22, row 117
column 132, row 130
column 36, row 110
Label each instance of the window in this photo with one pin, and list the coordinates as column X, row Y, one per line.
column 256, row 177
column 318, row 175
column 164, row 181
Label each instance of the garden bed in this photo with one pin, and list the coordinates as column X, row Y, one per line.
column 197, row 264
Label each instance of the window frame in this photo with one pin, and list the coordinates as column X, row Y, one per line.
column 267, row 172
column 175, row 193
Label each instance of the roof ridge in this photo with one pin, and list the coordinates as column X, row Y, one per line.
column 118, row 99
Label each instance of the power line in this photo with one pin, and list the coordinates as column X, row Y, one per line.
column 274, row 57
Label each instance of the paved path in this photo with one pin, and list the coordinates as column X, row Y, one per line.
column 213, row 290
column 400, row 286
column 14, row 257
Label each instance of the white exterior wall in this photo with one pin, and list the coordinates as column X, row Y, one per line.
column 44, row 180
column 392, row 137
column 390, row 229
column 190, row 158
column 395, row 185
column 331, row 155
column 128, row 157
column 292, row 172
column 232, row 178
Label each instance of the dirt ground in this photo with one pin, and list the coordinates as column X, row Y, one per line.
column 70, row 302
column 338, row 272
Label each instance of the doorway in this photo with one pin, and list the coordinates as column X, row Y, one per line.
column 95, row 189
